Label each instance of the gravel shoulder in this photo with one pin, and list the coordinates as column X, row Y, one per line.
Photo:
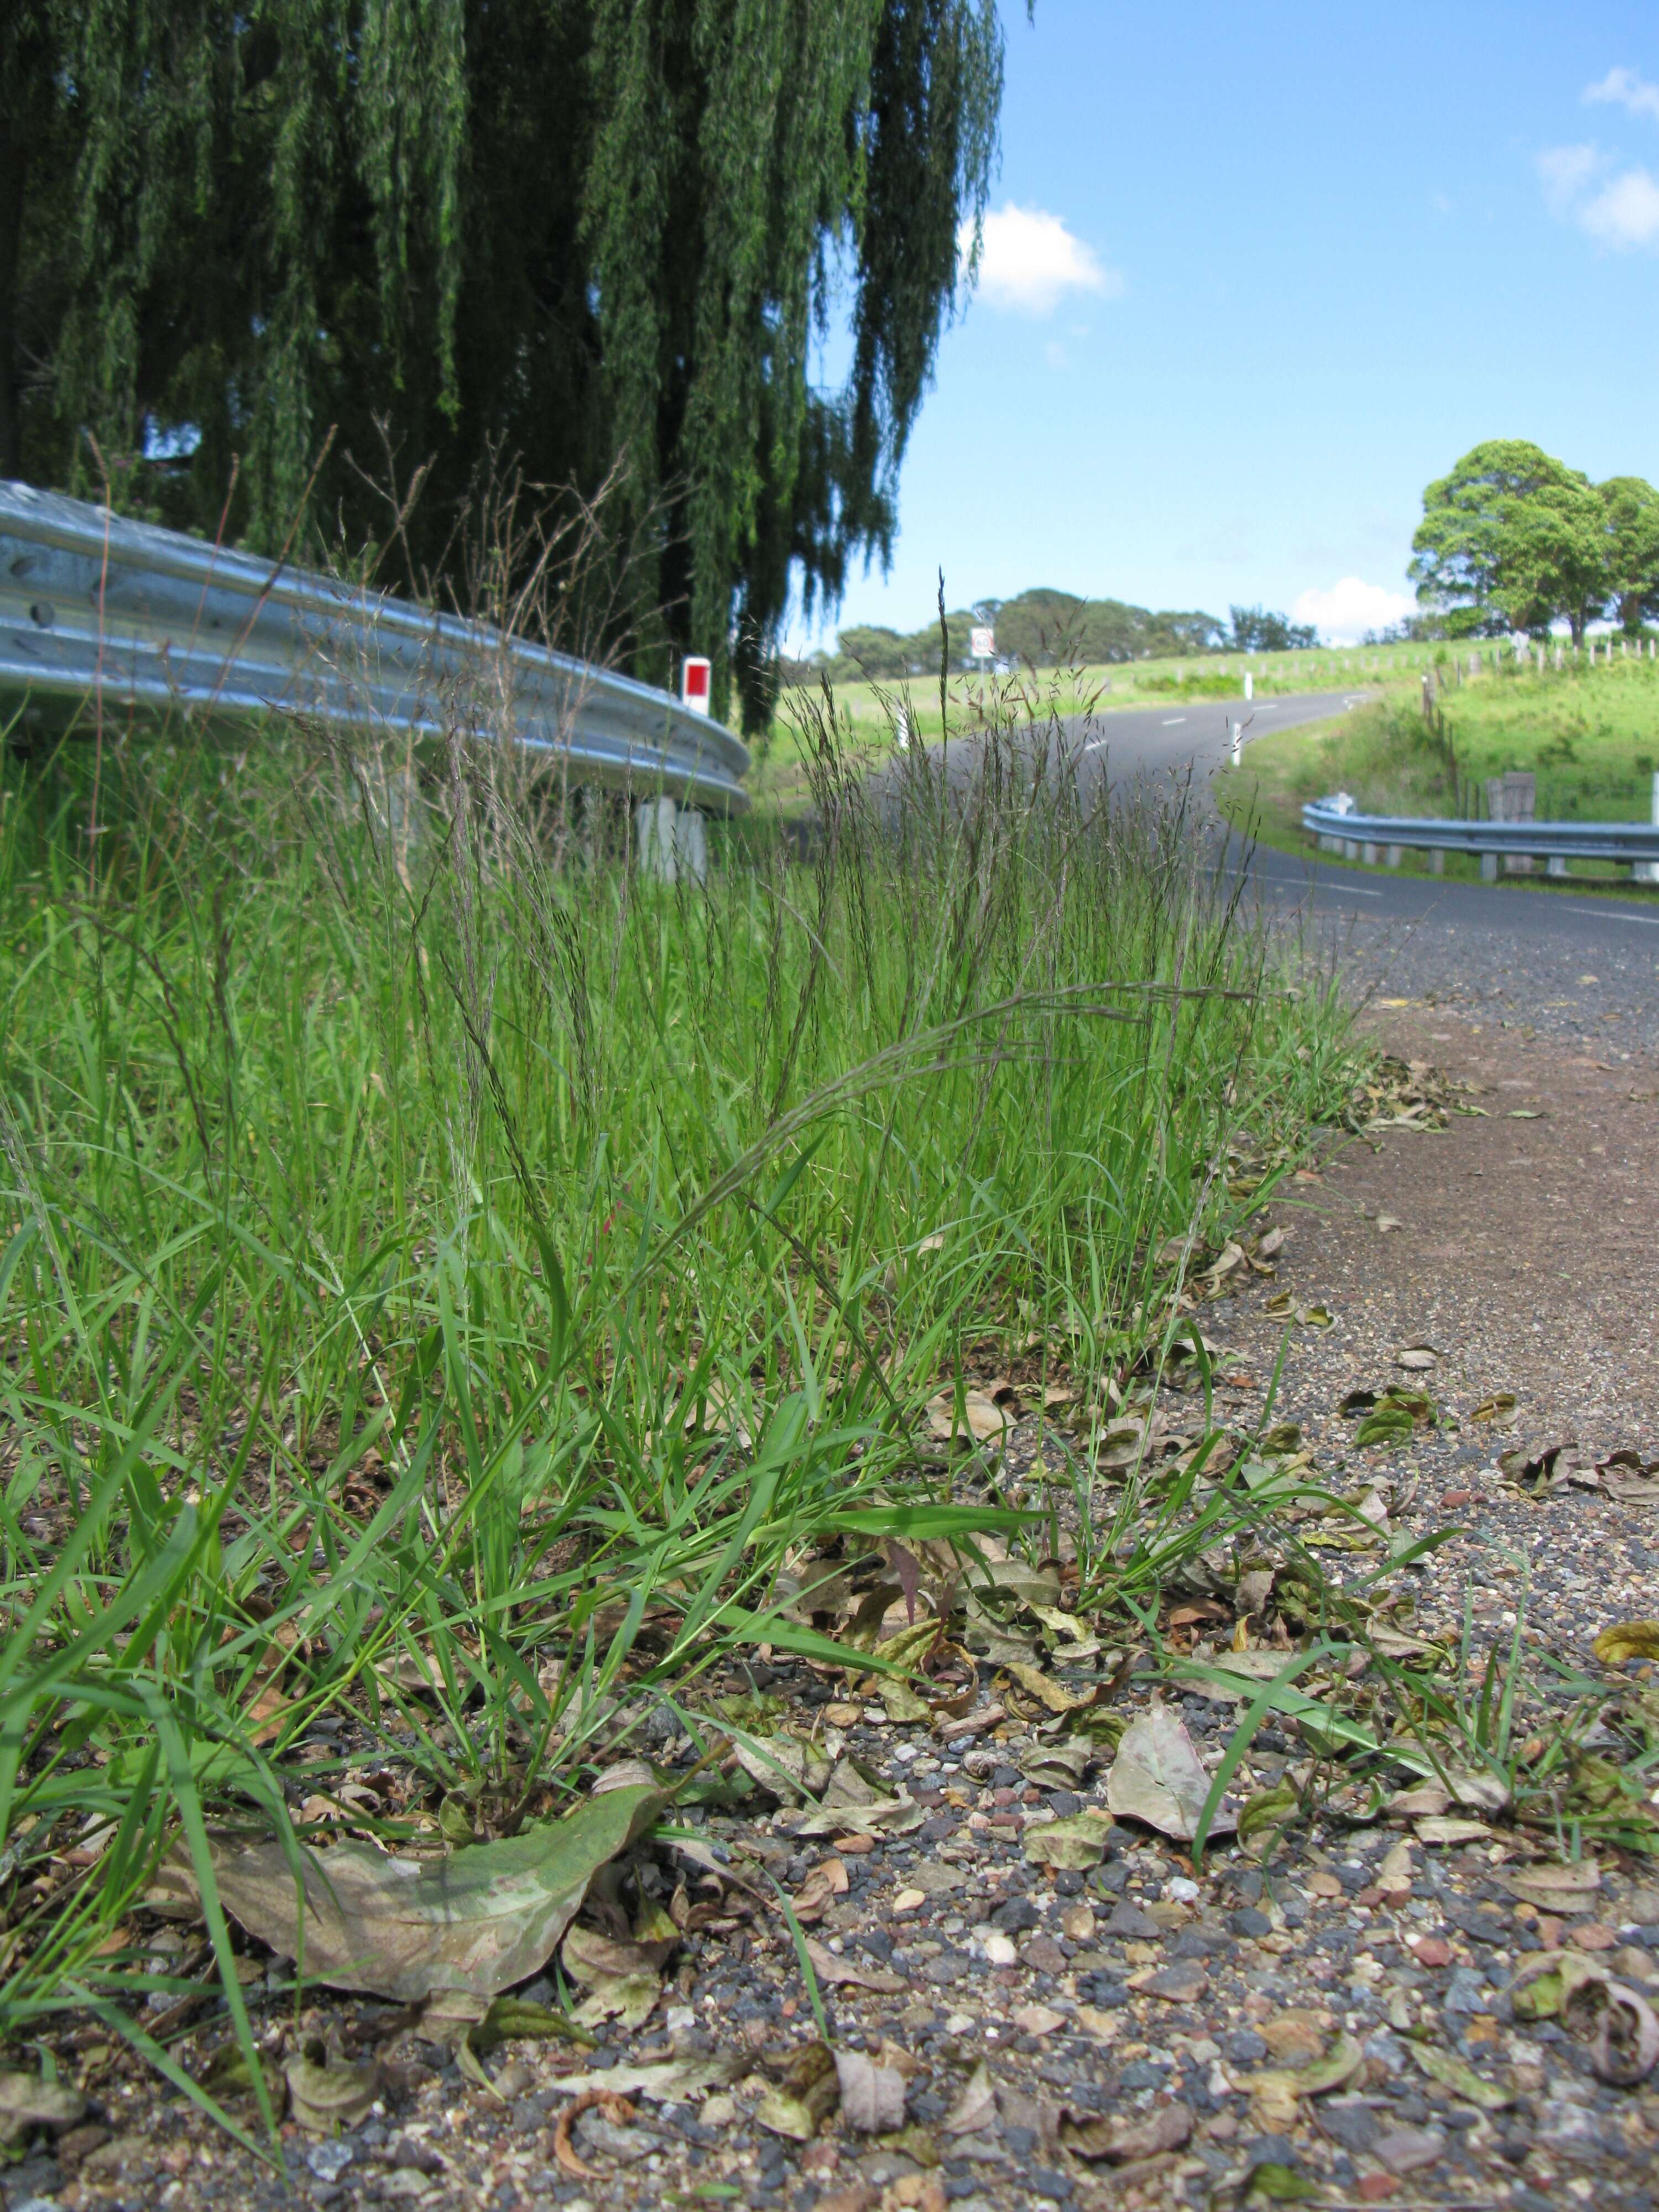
column 1023, row 2013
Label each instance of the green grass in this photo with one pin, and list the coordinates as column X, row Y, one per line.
column 453, row 1261
column 1590, row 737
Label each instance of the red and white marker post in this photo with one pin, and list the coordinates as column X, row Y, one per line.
column 695, row 678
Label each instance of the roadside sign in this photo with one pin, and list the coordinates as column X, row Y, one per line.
column 694, row 675
column 983, row 644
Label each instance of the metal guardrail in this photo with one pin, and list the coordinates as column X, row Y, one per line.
column 93, row 606
column 1363, row 834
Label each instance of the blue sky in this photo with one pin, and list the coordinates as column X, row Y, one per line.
column 1254, row 273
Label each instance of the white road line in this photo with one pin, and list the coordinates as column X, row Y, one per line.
column 1173, row 720
column 1605, row 914
column 1331, row 890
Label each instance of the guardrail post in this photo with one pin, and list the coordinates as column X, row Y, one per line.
column 669, row 841
column 1647, row 872
column 691, row 844
column 1489, row 867
column 654, row 838
column 1394, row 854
column 1438, row 860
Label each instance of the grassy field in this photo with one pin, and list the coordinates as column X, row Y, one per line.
column 450, row 1281
column 868, row 714
column 1590, row 736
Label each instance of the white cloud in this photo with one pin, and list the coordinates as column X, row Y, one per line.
column 1567, row 173
column 1626, row 88
column 1617, row 208
column 1029, row 261
column 1625, row 212
column 1350, row 608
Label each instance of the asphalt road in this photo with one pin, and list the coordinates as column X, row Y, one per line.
column 1561, row 964
column 1144, row 743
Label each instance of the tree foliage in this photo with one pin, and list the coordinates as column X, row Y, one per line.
column 1258, row 629
column 554, row 231
column 1041, row 628
column 1632, row 507
column 1511, row 539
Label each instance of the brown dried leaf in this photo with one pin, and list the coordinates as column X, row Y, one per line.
column 872, row 2096
column 1157, row 1777
column 27, row 2101
column 322, row 2097
column 480, row 1920
column 976, row 2108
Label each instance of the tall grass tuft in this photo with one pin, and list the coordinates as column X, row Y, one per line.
column 448, row 1274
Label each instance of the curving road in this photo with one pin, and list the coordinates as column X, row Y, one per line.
column 1566, row 964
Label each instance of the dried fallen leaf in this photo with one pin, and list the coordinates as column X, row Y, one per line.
column 1436, row 1829
column 589, row 1957
column 829, row 1968
column 27, row 2101
column 827, row 1880
column 778, row 1763
column 1386, row 1223
column 1630, row 1639
column 511, row 2019
column 1074, row 1844
column 480, row 1920
column 322, row 2097
column 805, row 2096
column 668, row 2080
column 1451, row 2073
column 976, row 2107
column 1157, row 1777
column 1340, row 2063
column 629, row 1999
column 1624, row 2038
column 1038, row 2019
column 1561, row 1889
column 1055, row 1695
column 872, row 2096
column 1166, row 2129
column 1416, row 1358
column 982, row 1419
column 1267, row 1809
column 616, row 2109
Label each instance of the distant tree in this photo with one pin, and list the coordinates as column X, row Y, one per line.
column 1255, row 630
column 1632, row 507
column 551, row 230
column 1511, row 539
column 1040, row 629
column 866, row 650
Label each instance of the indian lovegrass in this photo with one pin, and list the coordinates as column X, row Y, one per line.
column 450, row 1275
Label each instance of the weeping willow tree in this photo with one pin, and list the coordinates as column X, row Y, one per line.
column 559, row 231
